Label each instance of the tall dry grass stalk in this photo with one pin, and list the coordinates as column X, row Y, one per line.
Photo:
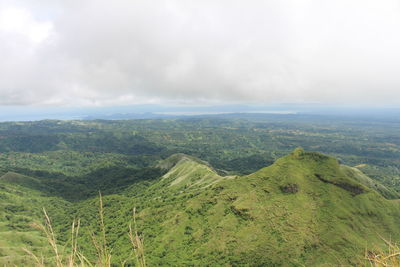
column 51, row 239
column 38, row 261
column 103, row 253
column 388, row 258
column 137, row 242
column 74, row 258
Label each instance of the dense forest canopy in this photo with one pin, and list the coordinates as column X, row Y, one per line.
column 238, row 144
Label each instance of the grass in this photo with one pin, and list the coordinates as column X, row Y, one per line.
column 251, row 220
column 189, row 173
column 390, row 257
column 74, row 257
column 302, row 210
column 137, row 242
column 19, row 208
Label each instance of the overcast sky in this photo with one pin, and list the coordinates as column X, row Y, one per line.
column 96, row 52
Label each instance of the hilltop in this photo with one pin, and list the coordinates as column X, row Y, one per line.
column 187, row 172
column 304, row 209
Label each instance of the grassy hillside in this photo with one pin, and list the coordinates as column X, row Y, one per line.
column 359, row 176
column 187, row 172
column 20, row 207
column 305, row 209
column 301, row 210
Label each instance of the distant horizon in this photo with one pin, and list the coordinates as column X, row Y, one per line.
column 34, row 113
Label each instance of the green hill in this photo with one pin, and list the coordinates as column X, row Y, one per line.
column 359, row 176
column 20, row 207
column 188, row 172
column 304, row 210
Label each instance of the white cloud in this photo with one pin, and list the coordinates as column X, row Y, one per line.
column 128, row 52
column 20, row 23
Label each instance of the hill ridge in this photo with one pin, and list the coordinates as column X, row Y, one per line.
column 190, row 172
column 302, row 210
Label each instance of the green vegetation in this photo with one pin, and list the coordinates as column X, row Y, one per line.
column 223, row 191
column 20, row 207
column 253, row 220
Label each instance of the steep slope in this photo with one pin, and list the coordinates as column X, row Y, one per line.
column 188, row 172
column 21, row 206
column 302, row 210
column 22, row 180
column 359, row 176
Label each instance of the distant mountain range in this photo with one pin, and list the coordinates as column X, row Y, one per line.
column 31, row 113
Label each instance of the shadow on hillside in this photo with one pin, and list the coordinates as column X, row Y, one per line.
column 108, row 180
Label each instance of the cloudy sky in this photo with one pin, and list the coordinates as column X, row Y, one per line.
column 124, row 52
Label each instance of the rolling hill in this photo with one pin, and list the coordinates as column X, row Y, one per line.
column 305, row 209
column 302, row 210
column 21, row 203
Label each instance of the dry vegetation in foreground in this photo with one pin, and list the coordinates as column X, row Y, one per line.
column 73, row 257
column 388, row 258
